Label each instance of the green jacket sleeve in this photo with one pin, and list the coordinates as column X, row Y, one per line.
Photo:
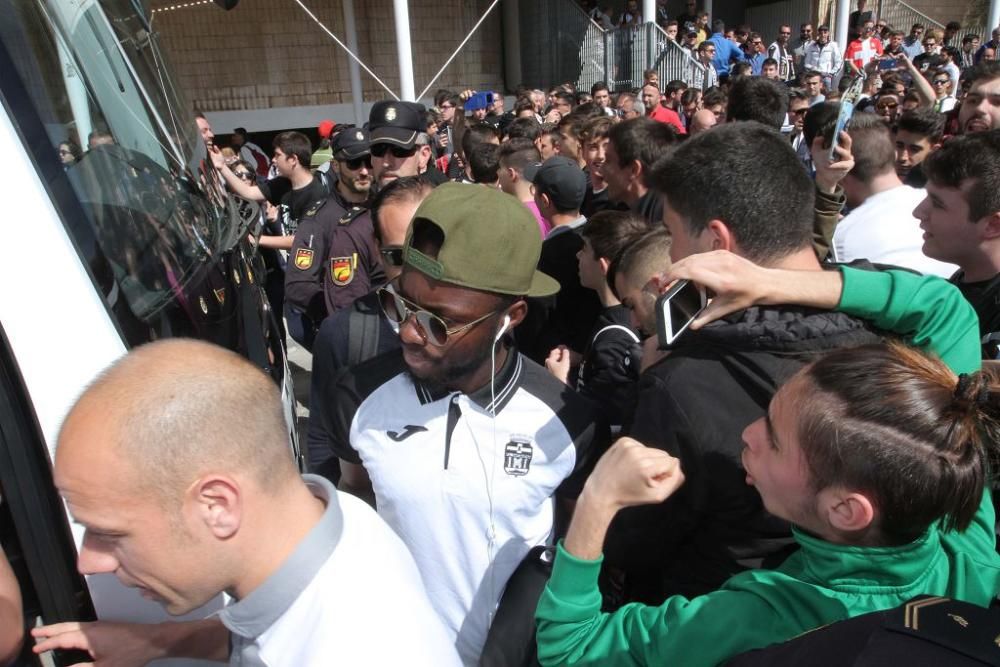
column 572, row 630
column 930, row 312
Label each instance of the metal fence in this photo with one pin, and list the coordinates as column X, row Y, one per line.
column 631, row 51
column 561, row 44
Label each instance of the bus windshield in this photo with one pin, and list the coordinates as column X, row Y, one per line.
column 118, row 135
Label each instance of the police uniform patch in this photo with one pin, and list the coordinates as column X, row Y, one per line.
column 390, row 114
column 303, row 258
column 359, row 135
column 341, row 270
column 220, row 295
column 517, row 456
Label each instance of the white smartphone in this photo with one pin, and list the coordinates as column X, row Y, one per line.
column 676, row 309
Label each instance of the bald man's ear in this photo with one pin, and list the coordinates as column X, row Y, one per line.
column 218, row 504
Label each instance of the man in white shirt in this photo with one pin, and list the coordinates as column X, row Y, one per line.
column 881, row 227
column 176, row 462
column 824, row 56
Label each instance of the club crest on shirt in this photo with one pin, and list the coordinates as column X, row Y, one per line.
column 341, row 270
column 303, row 258
column 517, row 456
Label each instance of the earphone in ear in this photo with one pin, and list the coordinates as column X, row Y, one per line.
column 503, row 328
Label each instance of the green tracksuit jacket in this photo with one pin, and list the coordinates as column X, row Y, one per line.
column 822, row 582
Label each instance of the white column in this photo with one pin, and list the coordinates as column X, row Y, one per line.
column 402, row 13
column 357, row 92
column 994, row 15
column 649, row 11
column 840, row 29
column 513, row 75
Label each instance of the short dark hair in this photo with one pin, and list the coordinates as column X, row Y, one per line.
column 797, row 94
column 610, row 232
column 690, row 95
column 713, row 96
column 478, row 133
column 484, row 162
column 810, row 73
column 821, row 119
column 953, row 25
column 403, row 189
column 566, row 98
column 987, row 70
column 762, row 100
column 675, row 86
column 295, row 144
column 897, row 33
column 600, row 85
column 924, row 121
column 718, row 25
column 597, row 128
column 527, row 128
column 916, row 25
column 872, row 146
column 970, row 38
column 770, row 218
column 974, row 158
column 641, row 139
column 518, row 153
column 740, row 69
column 769, row 62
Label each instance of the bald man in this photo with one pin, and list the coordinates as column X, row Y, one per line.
column 176, row 462
column 703, row 120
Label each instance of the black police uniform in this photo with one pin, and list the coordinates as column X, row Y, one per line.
column 333, row 259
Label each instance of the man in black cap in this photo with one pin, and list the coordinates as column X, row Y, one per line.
column 333, row 259
column 559, row 186
column 399, row 144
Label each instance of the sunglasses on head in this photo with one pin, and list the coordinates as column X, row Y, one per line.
column 431, row 327
column 392, row 255
column 379, row 150
column 355, row 163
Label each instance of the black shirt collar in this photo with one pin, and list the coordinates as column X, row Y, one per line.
column 506, row 382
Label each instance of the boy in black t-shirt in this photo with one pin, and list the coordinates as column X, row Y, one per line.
column 961, row 222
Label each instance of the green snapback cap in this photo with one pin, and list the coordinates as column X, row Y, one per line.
column 491, row 241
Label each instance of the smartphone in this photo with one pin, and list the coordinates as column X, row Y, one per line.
column 676, row 309
column 848, row 103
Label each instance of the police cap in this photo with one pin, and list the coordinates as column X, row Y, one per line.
column 397, row 123
column 351, row 143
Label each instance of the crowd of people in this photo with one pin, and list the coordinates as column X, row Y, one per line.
column 540, row 480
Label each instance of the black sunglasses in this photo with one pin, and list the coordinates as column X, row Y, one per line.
column 244, row 175
column 379, row 150
column 355, row 163
column 392, row 255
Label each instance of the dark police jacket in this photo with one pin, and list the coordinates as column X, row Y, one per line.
column 333, row 259
column 694, row 404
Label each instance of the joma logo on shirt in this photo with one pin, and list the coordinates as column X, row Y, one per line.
column 408, row 430
column 517, row 456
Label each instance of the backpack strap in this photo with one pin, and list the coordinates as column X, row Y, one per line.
column 362, row 336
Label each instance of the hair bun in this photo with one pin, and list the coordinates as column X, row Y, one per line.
column 972, row 390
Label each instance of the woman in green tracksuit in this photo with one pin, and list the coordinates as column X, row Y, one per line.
column 878, row 455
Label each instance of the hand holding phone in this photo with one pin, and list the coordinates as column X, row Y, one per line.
column 676, row 309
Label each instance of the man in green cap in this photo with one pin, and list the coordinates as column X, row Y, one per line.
column 464, row 444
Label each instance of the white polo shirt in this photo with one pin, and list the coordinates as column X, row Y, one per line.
column 469, row 495
column 349, row 594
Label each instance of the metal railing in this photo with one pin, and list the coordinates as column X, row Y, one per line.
column 631, row 51
column 901, row 16
column 560, row 43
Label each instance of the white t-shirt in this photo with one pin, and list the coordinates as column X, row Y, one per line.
column 884, row 231
column 350, row 594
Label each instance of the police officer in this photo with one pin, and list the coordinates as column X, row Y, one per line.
column 333, row 259
column 400, row 145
